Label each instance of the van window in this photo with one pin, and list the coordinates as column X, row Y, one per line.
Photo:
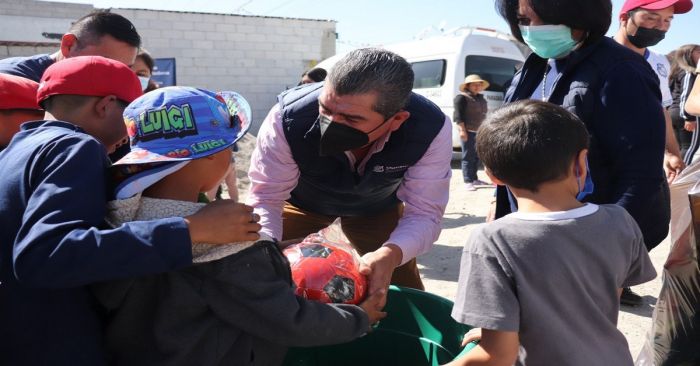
column 496, row 70
column 428, row 74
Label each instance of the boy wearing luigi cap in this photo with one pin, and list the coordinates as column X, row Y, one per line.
column 239, row 296
column 54, row 240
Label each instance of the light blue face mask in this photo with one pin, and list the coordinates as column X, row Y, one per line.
column 144, row 82
column 548, row 41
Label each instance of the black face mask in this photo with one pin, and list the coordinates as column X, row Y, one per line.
column 337, row 137
column 646, row 37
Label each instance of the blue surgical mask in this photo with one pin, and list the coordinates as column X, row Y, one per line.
column 144, row 82
column 549, row 41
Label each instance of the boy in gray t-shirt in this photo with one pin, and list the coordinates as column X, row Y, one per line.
column 543, row 283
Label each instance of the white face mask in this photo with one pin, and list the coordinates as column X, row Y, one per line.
column 144, row 82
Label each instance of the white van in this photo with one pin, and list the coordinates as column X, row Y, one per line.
column 441, row 63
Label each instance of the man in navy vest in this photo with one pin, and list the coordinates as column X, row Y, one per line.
column 364, row 148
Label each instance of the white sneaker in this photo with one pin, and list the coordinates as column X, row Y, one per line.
column 481, row 184
column 470, row 187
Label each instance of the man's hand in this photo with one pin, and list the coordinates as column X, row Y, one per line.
column 690, row 126
column 473, row 335
column 373, row 306
column 673, row 166
column 673, row 163
column 223, row 222
column 378, row 266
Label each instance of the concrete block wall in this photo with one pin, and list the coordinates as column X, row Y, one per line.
column 256, row 56
column 43, row 9
column 12, row 51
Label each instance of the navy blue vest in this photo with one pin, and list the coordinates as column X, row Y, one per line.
column 329, row 185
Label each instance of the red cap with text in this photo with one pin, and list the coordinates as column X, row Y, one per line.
column 94, row 76
column 17, row 92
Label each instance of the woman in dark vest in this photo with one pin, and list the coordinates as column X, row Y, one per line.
column 614, row 92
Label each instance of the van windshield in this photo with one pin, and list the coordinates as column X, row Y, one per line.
column 428, row 74
column 497, row 71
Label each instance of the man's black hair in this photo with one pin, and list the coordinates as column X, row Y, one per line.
column 90, row 28
column 527, row 143
column 592, row 16
column 316, row 74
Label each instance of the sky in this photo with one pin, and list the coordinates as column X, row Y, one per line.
column 362, row 23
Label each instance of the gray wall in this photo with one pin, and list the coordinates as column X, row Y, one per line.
column 256, row 56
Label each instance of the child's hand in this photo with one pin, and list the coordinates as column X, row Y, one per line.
column 473, row 335
column 223, row 222
column 373, row 305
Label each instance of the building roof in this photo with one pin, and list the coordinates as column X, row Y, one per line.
column 230, row 14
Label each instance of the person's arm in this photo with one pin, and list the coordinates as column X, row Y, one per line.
column 424, row 192
column 689, row 88
column 692, row 106
column 673, row 162
column 460, row 117
column 640, row 269
column 496, row 309
column 273, row 174
column 248, row 292
column 495, row 348
column 686, row 88
column 630, row 130
column 59, row 243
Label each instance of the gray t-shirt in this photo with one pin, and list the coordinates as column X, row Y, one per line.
column 553, row 278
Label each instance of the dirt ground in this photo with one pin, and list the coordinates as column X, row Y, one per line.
column 440, row 267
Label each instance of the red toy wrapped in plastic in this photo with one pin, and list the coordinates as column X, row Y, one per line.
column 326, row 270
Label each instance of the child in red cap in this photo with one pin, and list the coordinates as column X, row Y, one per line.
column 17, row 105
column 54, row 240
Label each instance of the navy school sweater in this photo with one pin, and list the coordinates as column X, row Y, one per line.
column 53, row 242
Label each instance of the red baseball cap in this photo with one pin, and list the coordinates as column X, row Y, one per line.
column 679, row 6
column 95, row 76
column 17, row 92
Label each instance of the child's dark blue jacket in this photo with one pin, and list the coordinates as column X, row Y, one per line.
column 53, row 241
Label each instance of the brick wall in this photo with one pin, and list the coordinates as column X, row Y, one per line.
column 257, row 56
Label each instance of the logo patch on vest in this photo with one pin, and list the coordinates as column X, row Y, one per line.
column 389, row 169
